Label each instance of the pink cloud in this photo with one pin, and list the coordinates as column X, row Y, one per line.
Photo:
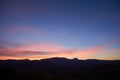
column 14, row 29
column 39, row 51
column 2, row 49
column 38, row 47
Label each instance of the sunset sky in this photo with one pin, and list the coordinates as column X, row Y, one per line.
column 37, row 29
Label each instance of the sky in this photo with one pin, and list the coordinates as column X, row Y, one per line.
column 37, row 29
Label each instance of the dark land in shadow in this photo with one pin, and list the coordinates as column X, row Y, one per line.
column 60, row 69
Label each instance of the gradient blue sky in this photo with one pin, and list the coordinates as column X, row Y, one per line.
column 66, row 25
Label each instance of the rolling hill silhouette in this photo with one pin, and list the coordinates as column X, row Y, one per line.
column 60, row 69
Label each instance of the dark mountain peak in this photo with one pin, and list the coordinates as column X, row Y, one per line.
column 56, row 58
column 76, row 59
column 93, row 59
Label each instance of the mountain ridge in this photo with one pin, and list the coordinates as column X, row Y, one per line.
column 60, row 69
column 56, row 58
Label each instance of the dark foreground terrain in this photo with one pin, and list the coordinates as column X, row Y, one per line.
column 59, row 69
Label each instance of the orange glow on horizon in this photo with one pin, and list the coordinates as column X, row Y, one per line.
column 41, row 51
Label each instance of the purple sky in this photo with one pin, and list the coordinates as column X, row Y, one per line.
column 36, row 29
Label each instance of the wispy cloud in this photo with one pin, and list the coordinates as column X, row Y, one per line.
column 15, row 29
column 39, row 47
column 38, row 51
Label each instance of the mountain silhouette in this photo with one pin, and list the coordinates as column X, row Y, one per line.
column 60, row 69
